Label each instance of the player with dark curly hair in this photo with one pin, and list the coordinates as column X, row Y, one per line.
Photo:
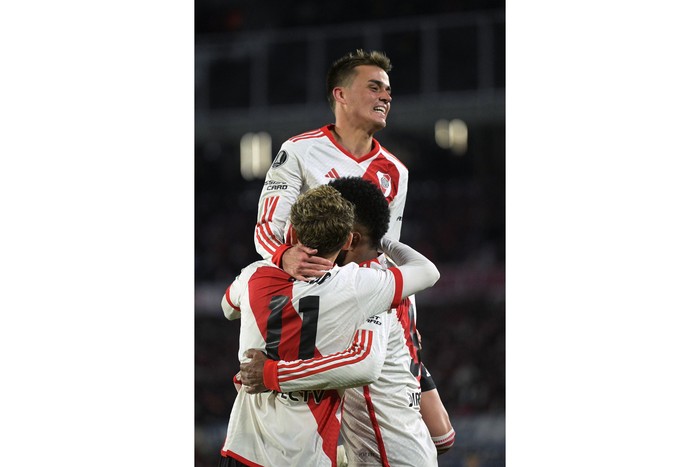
column 324, row 319
column 381, row 421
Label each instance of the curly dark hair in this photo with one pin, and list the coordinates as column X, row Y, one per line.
column 371, row 207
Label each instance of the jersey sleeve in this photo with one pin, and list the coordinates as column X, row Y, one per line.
column 231, row 301
column 358, row 365
column 377, row 290
column 415, row 270
column 281, row 188
column 396, row 209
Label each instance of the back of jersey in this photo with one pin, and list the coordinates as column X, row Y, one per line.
column 291, row 320
column 381, row 423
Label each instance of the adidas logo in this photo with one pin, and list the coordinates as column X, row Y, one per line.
column 332, row 174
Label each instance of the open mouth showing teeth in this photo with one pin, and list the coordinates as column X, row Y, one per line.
column 381, row 110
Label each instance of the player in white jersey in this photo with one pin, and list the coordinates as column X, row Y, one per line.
column 301, row 319
column 359, row 93
column 381, row 422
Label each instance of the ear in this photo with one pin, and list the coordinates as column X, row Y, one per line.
column 348, row 242
column 339, row 95
column 356, row 237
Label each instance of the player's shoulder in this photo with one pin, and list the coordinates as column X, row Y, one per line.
column 309, row 135
column 356, row 273
column 263, row 268
column 299, row 145
column 390, row 156
column 303, row 141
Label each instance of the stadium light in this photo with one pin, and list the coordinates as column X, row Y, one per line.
column 256, row 155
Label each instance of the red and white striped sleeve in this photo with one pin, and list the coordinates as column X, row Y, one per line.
column 230, row 303
column 280, row 190
column 357, row 365
column 235, row 293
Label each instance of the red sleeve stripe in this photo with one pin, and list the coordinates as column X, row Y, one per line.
column 307, row 135
column 358, row 351
column 269, row 235
column 269, row 208
column 398, row 291
column 263, row 232
column 359, row 341
column 264, row 244
column 228, row 299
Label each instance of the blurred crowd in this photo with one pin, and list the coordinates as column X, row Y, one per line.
column 218, row 16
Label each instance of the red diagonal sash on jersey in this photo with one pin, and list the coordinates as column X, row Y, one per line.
column 385, row 175
column 327, row 415
column 270, row 294
column 406, row 316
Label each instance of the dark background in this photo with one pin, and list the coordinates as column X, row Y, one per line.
column 260, row 66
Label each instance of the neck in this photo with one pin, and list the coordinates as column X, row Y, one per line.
column 356, row 141
column 360, row 256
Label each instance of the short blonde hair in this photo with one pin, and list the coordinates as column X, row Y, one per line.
column 322, row 219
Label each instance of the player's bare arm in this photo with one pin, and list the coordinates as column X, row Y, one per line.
column 437, row 420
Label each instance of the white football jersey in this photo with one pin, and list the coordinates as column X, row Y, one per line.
column 289, row 320
column 315, row 158
column 381, row 421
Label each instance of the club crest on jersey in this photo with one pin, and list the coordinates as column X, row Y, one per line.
column 384, row 182
column 280, row 159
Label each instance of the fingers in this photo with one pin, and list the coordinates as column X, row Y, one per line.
column 314, row 267
column 309, row 259
column 255, row 389
column 306, row 274
column 254, row 354
column 306, row 249
column 317, row 261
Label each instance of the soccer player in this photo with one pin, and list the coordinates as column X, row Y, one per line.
column 292, row 319
column 358, row 91
column 381, row 422
column 359, row 94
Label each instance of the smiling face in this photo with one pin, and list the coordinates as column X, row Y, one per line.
column 366, row 99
